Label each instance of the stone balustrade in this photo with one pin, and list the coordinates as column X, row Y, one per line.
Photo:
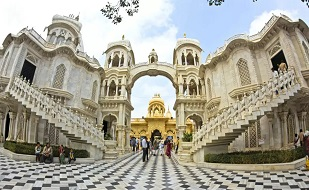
column 249, row 103
column 56, row 113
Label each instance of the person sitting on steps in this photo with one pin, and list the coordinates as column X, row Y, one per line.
column 37, row 151
column 71, row 156
column 47, row 153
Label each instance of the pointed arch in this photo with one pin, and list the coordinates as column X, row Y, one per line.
column 59, row 76
column 115, row 61
column 190, row 59
column 243, row 72
column 94, row 90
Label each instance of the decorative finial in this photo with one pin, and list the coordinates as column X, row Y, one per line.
column 184, row 35
column 77, row 18
column 122, row 37
column 153, row 49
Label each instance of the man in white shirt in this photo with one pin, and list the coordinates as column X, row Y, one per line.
column 144, row 146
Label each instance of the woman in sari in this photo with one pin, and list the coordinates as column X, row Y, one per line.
column 168, row 148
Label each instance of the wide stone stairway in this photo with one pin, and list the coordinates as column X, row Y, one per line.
column 75, row 127
column 223, row 129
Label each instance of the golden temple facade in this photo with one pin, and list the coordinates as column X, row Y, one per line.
column 158, row 122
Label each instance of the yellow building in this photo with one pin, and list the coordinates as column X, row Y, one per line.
column 157, row 123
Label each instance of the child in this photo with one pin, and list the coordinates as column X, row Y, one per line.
column 37, row 152
column 161, row 147
column 71, row 156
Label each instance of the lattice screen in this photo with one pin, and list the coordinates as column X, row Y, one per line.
column 253, row 141
column 94, row 90
column 59, row 76
column 243, row 72
column 246, row 139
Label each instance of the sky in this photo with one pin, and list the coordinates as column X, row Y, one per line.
column 158, row 25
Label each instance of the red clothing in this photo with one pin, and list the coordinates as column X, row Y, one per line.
column 168, row 149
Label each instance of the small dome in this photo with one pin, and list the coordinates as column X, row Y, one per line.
column 153, row 57
column 156, row 99
column 153, row 52
column 186, row 40
column 168, row 114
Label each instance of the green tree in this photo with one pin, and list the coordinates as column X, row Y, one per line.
column 131, row 6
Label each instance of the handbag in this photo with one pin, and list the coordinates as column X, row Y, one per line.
column 307, row 163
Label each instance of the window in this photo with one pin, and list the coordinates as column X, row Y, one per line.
column 59, row 76
column 94, row 90
column 190, row 59
column 243, row 72
column 115, row 61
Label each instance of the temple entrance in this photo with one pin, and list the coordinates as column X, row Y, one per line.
column 155, row 135
column 28, row 71
column 108, row 127
column 277, row 59
column 7, row 126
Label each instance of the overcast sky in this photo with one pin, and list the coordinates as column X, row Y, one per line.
column 158, row 25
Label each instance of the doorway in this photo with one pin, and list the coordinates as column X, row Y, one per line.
column 28, row 70
column 7, row 126
column 155, row 135
column 277, row 59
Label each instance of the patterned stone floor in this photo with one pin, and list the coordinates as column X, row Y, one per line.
column 131, row 173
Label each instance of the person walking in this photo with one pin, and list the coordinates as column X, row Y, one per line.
column 168, row 149
column 301, row 137
column 149, row 147
column 133, row 144
column 144, row 147
column 177, row 145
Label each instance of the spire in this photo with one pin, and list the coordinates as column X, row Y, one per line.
column 184, row 35
column 123, row 37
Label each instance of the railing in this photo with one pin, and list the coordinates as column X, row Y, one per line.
column 54, row 109
column 249, row 103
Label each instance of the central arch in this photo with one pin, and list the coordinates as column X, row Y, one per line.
column 163, row 69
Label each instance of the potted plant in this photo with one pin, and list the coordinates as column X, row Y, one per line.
column 186, row 141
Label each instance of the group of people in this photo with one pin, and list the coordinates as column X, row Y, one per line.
column 47, row 154
column 303, row 139
column 148, row 147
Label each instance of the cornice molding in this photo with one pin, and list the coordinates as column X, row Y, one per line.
column 57, row 92
column 241, row 90
column 214, row 102
column 91, row 103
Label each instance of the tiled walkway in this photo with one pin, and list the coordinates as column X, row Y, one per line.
column 131, row 173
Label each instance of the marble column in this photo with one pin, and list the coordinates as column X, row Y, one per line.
column 12, row 116
column 128, row 130
column 120, row 142
column 2, row 127
column 284, row 127
column 36, row 126
column 270, row 134
column 181, row 131
column 302, row 120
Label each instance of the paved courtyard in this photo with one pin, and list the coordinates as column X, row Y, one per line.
column 131, row 173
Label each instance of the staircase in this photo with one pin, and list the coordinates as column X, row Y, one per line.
column 233, row 121
column 73, row 126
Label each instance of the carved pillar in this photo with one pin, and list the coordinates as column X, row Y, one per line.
column 181, row 130
column 103, row 89
column 270, row 139
column 128, row 130
column 36, row 128
column 284, row 128
column 116, row 94
column 302, row 120
column 107, row 93
column 186, row 60
column 194, row 60
column 1, row 127
column 120, row 141
column 12, row 116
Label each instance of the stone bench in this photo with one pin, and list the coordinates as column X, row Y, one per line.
column 31, row 158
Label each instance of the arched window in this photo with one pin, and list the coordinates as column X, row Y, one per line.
column 112, row 89
column 190, row 59
column 94, row 90
column 243, row 72
column 60, row 39
column 4, row 62
column 209, row 88
column 115, row 61
column 192, row 88
column 59, row 76
column 52, row 37
column 306, row 50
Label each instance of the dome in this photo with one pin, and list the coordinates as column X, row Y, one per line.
column 153, row 52
column 156, row 99
column 185, row 40
column 168, row 114
column 73, row 22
